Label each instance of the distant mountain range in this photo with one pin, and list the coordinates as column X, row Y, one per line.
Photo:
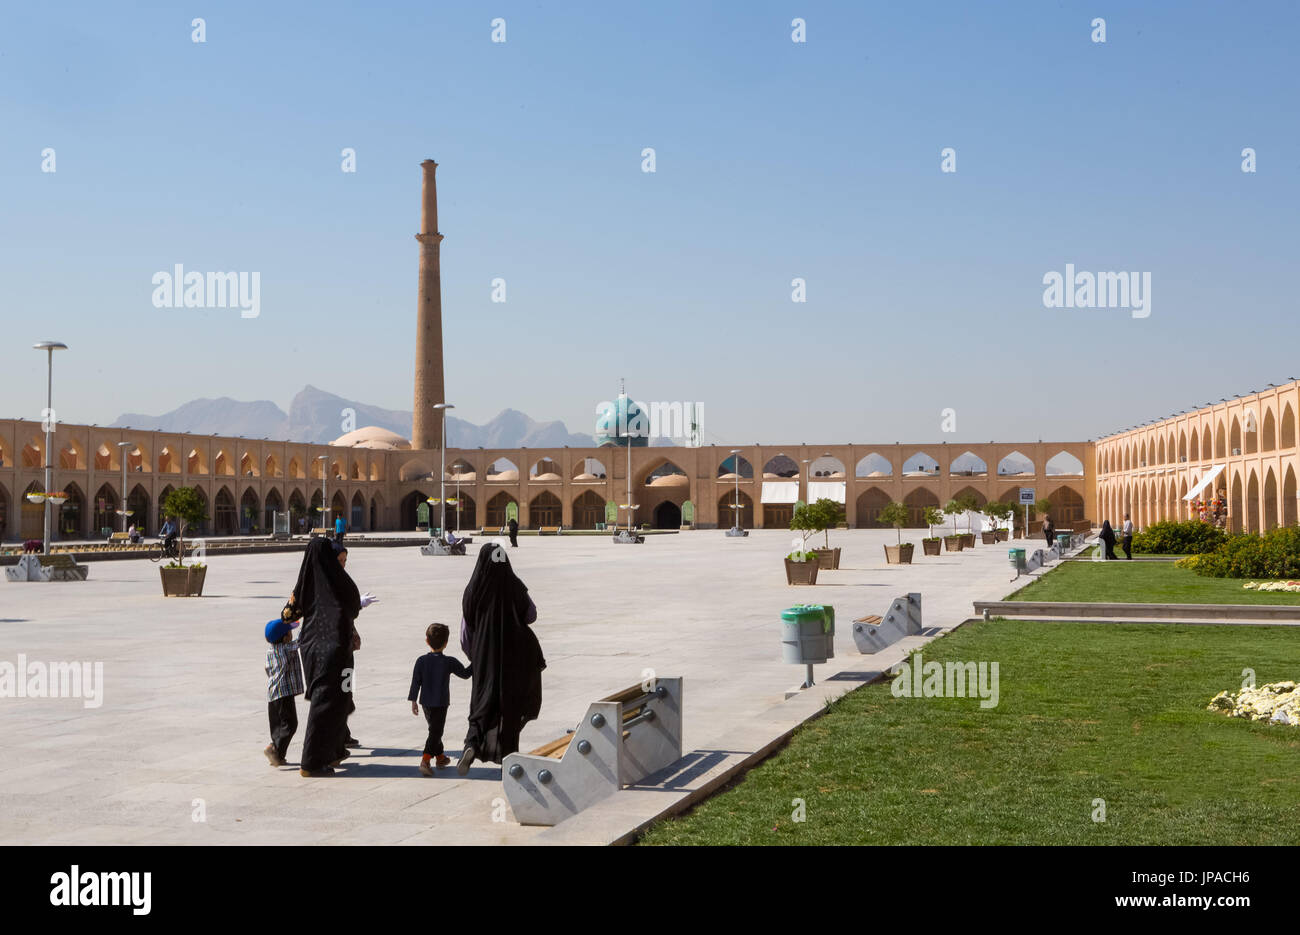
column 318, row 417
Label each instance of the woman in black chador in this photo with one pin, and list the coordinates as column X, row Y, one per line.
column 497, row 637
column 1107, row 537
column 329, row 602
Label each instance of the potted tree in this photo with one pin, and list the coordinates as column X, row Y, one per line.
column 1007, row 515
column 801, row 567
column 932, row 544
column 179, row 579
column 953, row 542
column 818, row 517
column 896, row 515
column 968, row 505
column 995, row 511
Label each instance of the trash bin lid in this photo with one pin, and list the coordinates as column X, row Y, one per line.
column 801, row 612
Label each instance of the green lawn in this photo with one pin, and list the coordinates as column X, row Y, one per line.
column 1086, row 711
column 1143, row 583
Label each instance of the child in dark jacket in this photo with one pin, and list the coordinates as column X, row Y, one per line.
column 430, row 685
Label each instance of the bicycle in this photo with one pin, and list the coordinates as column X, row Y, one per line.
column 167, row 548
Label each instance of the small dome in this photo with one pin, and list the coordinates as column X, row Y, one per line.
column 511, row 474
column 731, row 476
column 467, row 478
column 372, row 436
column 670, row 480
column 621, row 416
column 549, row 476
column 584, row 477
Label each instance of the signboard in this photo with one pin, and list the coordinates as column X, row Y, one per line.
column 1027, row 496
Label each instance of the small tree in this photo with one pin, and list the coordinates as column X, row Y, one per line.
column 895, row 514
column 932, row 516
column 185, row 504
column 815, row 517
column 969, row 504
column 952, row 508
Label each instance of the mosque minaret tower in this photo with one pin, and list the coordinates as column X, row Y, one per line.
column 426, row 432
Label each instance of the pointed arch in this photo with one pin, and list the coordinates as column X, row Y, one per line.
column 1252, row 502
column 225, row 519
column 248, row 466
column 919, row 464
column 250, row 509
column 727, row 512
column 588, row 510
column 870, row 502
column 1268, row 435
column 873, row 465
column 1015, row 463
column 727, row 469
column 545, row 470
column 1234, row 437
column 666, row 474
column 272, row 504
column 496, row 510
column 1270, row 501
column 917, row 501
column 826, row 466
column 1064, row 463
column 1290, row 507
column 590, row 469
column 1193, row 446
column 502, row 471
column 1221, row 440
column 1287, row 435
column 968, row 464
column 779, row 466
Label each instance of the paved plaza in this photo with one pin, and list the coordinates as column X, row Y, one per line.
column 182, row 724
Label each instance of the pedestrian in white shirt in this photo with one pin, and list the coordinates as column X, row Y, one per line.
column 1127, row 541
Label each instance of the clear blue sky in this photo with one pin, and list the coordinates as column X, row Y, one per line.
column 775, row 160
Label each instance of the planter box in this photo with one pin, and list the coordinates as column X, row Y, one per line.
column 828, row 559
column 800, row 572
column 989, row 538
column 932, row 546
column 1003, row 534
column 899, row 554
column 968, row 540
column 183, row 582
column 953, row 543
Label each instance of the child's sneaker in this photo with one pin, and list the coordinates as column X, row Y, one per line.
column 443, row 761
column 275, row 758
column 424, row 768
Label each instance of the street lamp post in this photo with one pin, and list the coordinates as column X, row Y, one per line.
column 442, row 476
column 49, row 347
column 122, row 447
column 735, row 506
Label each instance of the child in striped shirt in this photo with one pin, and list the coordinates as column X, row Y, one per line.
column 284, row 681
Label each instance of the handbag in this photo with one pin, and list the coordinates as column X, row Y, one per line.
column 291, row 611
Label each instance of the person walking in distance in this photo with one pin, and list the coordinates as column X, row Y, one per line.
column 513, row 526
column 1127, row 540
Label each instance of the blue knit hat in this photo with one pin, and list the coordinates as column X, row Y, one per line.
column 276, row 630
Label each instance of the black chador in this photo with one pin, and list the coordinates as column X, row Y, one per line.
column 506, row 656
column 330, row 603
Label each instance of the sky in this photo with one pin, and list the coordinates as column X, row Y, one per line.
column 774, row 160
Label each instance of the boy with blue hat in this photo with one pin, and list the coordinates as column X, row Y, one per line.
column 284, row 681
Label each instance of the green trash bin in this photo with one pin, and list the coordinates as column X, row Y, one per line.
column 1062, row 541
column 807, row 634
column 1016, row 557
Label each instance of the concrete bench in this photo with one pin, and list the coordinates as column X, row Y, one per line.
column 54, row 567
column 1183, row 613
column 871, row 634
column 620, row 741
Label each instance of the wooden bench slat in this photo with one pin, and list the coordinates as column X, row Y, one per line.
column 871, row 618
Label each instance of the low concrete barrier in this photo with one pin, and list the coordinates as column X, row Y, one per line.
column 1187, row 613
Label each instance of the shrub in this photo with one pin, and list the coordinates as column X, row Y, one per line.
column 1276, row 554
column 1191, row 537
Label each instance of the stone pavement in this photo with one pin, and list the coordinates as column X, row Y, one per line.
column 181, row 727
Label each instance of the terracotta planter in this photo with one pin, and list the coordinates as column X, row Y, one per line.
column 989, row 538
column 828, row 559
column 932, row 546
column 899, row 554
column 968, row 540
column 801, row 572
column 183, row 582
column 953, row 543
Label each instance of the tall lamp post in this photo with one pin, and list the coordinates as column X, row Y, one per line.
column 49, row 347
column 121, row 454
column 735, row 506
column 323, row 503
column 442, row 476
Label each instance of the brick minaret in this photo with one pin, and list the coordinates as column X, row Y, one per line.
column 426, row 434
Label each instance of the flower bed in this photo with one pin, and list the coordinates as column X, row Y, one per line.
column 1276, row 703
column 1293, row 586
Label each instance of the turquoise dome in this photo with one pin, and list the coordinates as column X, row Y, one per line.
column 621, row 423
